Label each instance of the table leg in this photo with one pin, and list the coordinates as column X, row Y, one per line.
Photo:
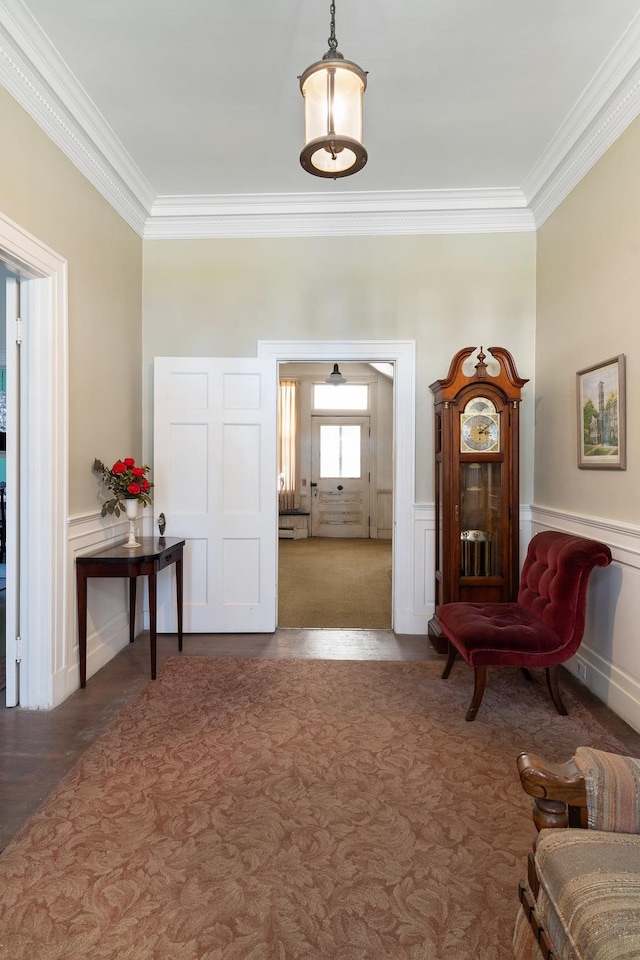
column 152, row 622
column 81, row 583
column 132, row 608
column 179, row 600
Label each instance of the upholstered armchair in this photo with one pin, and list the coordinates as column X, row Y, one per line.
column 581, row 899
column 543, row 628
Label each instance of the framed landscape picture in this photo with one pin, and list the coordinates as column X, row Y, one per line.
column 602, row 416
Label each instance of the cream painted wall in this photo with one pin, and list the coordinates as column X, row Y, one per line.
column 219, row 297
column 44, row 193
column 588, row 308
column 588, row 295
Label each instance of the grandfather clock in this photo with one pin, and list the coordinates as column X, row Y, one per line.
column 477, row 483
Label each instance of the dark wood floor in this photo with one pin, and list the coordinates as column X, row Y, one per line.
column 38, row 748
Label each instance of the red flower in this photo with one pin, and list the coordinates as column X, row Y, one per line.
column 125, row 481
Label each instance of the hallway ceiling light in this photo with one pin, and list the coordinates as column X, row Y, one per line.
column 335, row 377
column 333, row 91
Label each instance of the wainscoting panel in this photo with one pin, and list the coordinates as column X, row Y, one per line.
column 424, row 562
column 608, row 661
column 107, row 602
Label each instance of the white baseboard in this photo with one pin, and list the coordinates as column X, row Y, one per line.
column 608, row 653
column 107, row 604
column 607, row 662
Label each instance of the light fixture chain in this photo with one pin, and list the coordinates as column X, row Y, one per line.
column 333, row 43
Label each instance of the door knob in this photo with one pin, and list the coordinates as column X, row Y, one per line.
column 340, row 487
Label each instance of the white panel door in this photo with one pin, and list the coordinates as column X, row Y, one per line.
column 340, row 477
column 215, row 476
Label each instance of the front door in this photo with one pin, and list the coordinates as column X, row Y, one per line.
column 215, row 423
column 340, row 477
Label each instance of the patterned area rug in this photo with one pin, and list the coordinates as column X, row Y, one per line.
column 290, row 810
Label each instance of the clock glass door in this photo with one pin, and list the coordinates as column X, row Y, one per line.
column 481, row 520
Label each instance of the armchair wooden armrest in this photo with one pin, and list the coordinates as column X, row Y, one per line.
column 558, row 789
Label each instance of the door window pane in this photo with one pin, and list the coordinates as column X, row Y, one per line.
column 339, row 451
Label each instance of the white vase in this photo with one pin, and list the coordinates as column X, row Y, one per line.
column 131, row 509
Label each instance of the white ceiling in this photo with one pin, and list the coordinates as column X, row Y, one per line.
column 187, row 114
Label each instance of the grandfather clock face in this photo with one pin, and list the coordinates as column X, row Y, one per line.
column 480, row 427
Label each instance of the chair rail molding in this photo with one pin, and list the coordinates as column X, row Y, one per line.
column 607, row 661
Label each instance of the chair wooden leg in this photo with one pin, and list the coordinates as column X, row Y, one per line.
column 554, row 689
column 452, row 653
column 478, row 692
column 526, row 674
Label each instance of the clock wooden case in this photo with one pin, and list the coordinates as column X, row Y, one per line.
column 477, row 481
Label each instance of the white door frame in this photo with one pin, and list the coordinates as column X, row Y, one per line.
column 402, row 354
column 44, row 462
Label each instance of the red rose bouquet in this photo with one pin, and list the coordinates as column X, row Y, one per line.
column 126, row 481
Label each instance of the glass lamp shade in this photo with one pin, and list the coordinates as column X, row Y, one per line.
column 333, row 91
column 335, row 377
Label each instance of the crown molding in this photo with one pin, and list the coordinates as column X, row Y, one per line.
column 608, row 105
column 400, row 212
column 35, row 75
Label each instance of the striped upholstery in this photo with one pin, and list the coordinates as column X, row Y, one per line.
column 613, row 790
column 589, row 898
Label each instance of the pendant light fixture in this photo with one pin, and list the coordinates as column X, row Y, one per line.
column 336, row 377
column 333, row 90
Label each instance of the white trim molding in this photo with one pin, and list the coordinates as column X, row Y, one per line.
column 607, row 660
column 424, row 567
column 35, row 75
column 44, row 461
column 108, row 606
column 606, row 108
column 402, row 353
column 390, row 213
column 38, row 78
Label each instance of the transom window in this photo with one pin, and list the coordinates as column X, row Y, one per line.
column 346, row 396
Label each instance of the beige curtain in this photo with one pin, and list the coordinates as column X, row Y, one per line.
column 288, row 445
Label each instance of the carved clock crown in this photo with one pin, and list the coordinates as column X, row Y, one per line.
column 507, row 378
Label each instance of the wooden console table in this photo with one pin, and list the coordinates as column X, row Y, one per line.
column 153, row 554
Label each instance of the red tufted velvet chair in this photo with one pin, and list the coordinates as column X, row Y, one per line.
column 542, row 629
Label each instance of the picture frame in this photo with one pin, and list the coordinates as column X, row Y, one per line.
column 602, row 426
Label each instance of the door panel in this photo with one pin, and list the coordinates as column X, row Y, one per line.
column 340, row 474
column 215, row 481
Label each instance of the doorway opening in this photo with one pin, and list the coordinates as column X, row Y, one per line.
column 38, row 660
column 335, row 523
column 402, row 354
